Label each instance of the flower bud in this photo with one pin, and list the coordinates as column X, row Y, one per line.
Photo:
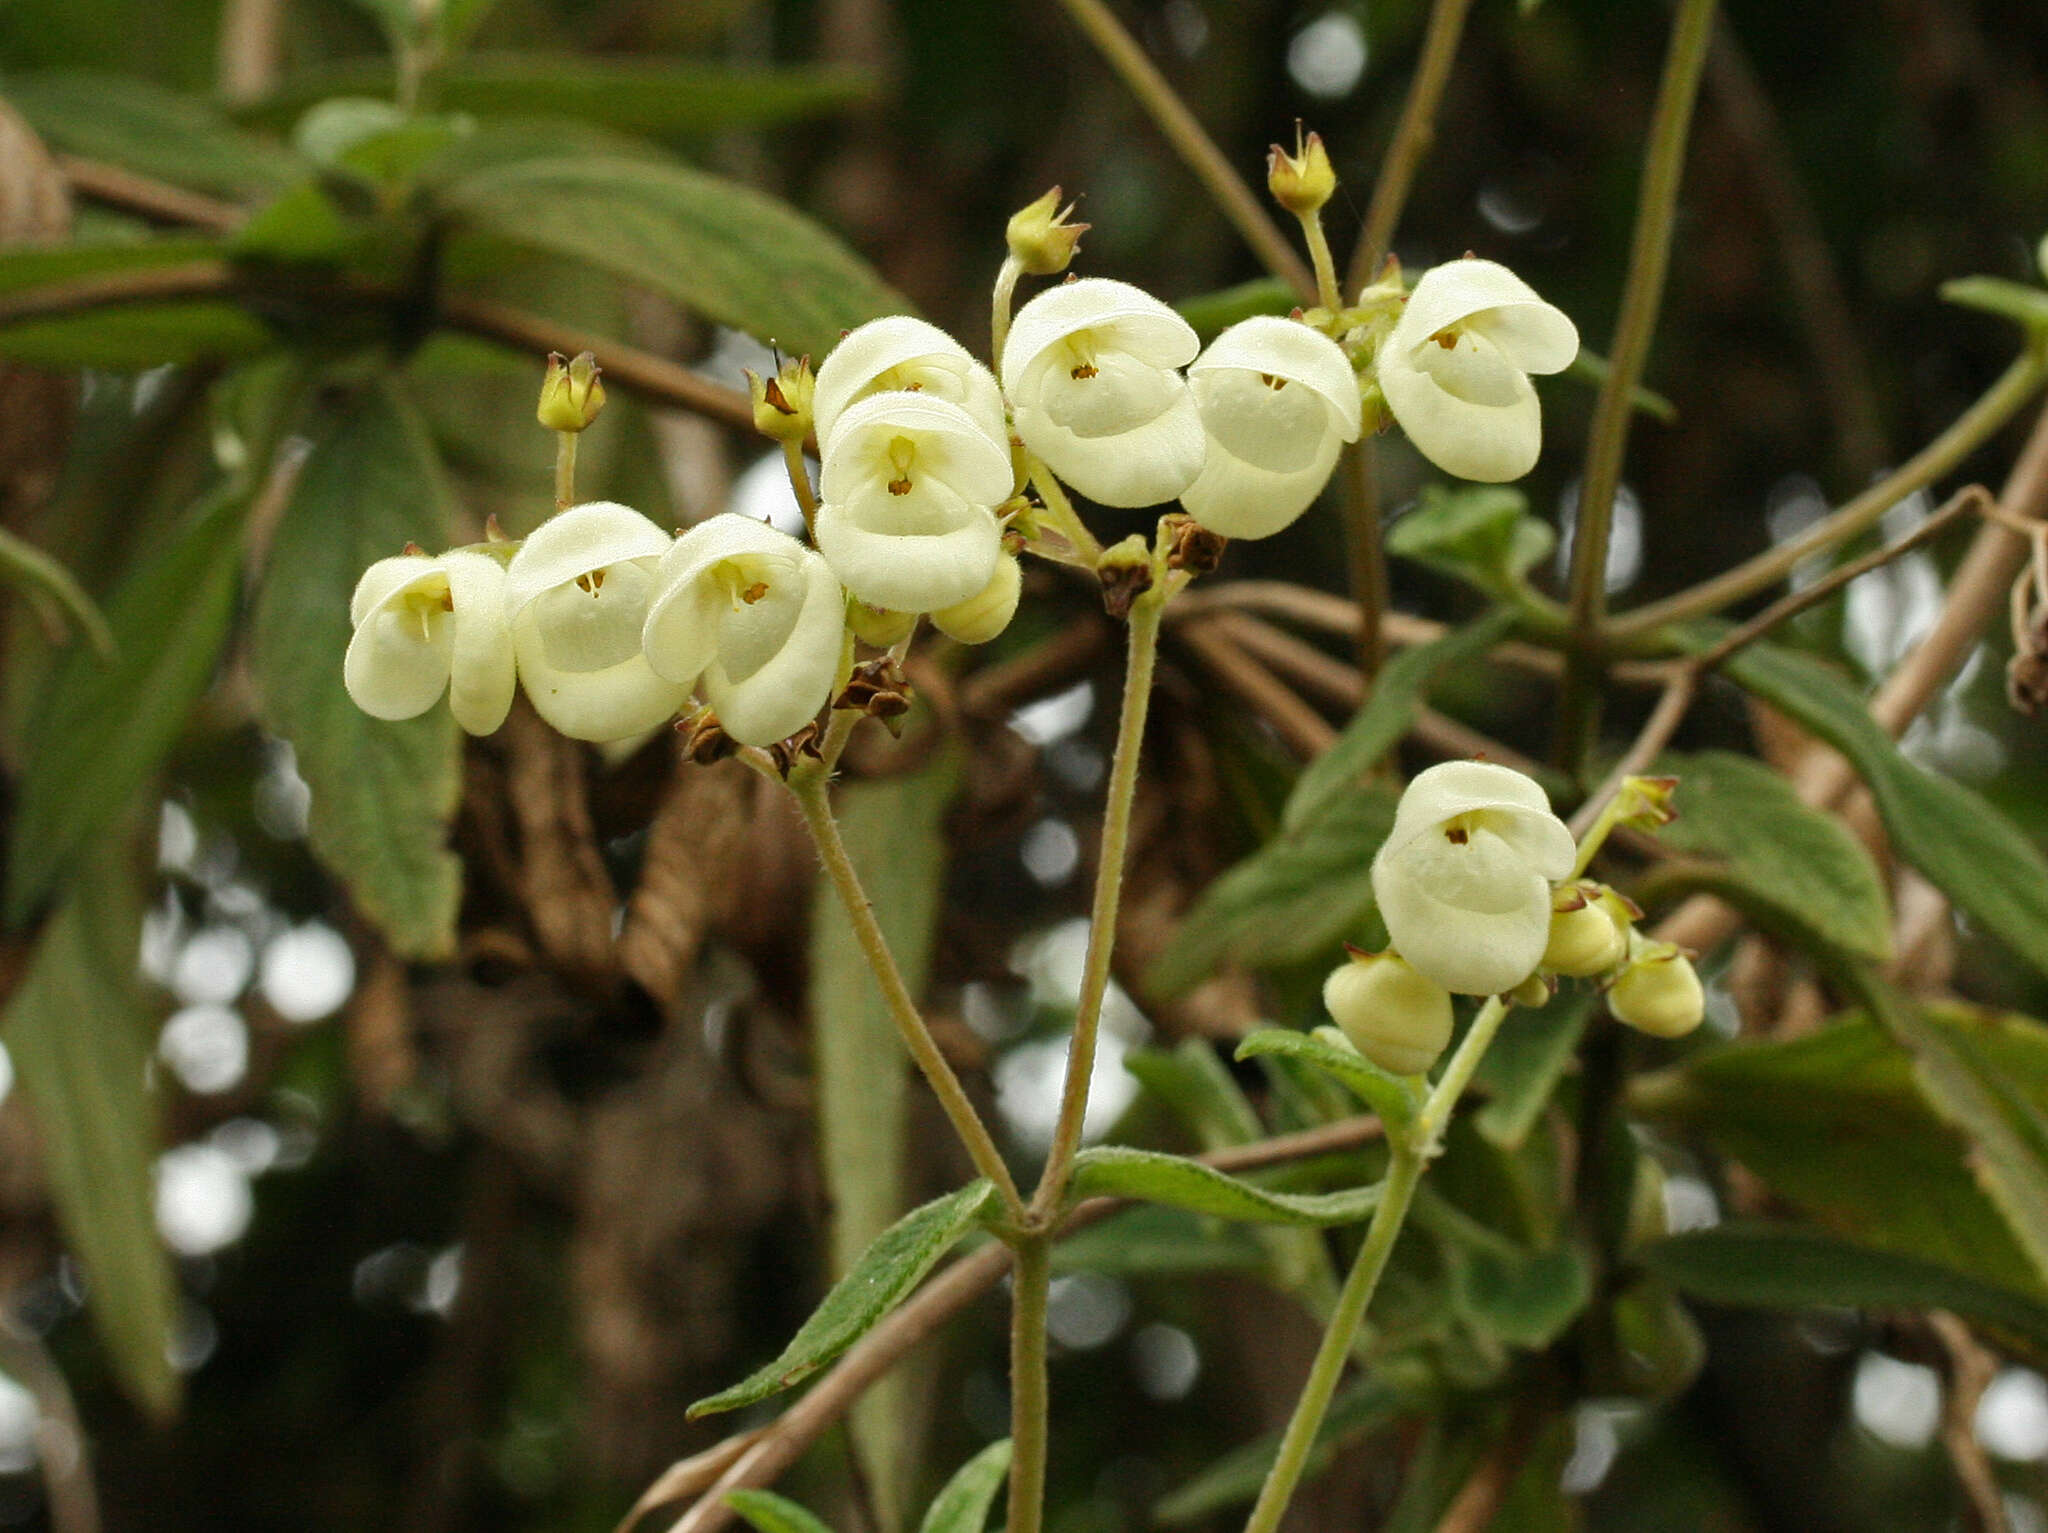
column 1659, row 992
column 1303, row 181
column 782, row 404
column 1532, row 992
column 572, row 393
column 981, row 617
column 1395, row 1017
column 1041, row 240
column 878, row 626
column 1644, row 803
column 1585, row 937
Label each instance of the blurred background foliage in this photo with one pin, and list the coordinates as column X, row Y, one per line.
column 463, row 1200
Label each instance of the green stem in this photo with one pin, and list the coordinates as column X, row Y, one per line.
column 1365, row 556
column 1030, row 1281
column 1060, row 512
column 1411, row 1154
column 999, row 310
column 1109, row 882
column 565, row 470
column 1642, row 296
column 1403, row 1175
column 25, row 565
column 800, row 485
column 1327, row 291
column 1999, row 403
column 1412, row 138
column 813, row 800
column 1172, row 117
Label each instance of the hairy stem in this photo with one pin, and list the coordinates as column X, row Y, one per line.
column 1197, row 150
column 2019, row 383
column 1412, row 1153
column 812, row 799
column 1411, row 141
column 800, row 486
column 1365, row 555
column 1642, row 296
column 565, row 469
column 1001, row 301
column 1109, row 881
column 1030, row 1281
column 1403, row 1174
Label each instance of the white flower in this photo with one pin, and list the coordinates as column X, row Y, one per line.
column 1278, row 401
column 577, row 595
column 754, row 618
column 1090, row 370
column 423, row 625
column 899, row 352
column 909, row 486
column 1463, row 880
column 1455, row 370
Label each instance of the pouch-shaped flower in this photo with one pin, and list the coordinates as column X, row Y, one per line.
column 424, row 625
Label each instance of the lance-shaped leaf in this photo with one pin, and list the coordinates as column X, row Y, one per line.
column 1794, row 869
column 147, row 128
column 728, row 252
column 383, row 793
column 1785, row 1266
column 767, row 1512
column 78, row 1038
column 962, row 1507
column 1329, row 1051
column 1527, row 1060
column 1118, row 1171
column 883, row 1277
column 100, row 730
column 1967, row 849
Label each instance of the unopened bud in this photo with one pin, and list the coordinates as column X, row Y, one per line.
column 572, row 392
column 1532, row 992
column 782, row 404
column 981, row 617
column 1585, row 936
column 1125, row 570
column 1394, row 1016
column 1041, row 240
column 1645, row 802
column 1659, row 992
column 1303, row 181
column 878, row 626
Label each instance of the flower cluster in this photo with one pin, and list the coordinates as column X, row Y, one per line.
column 932, row 470
column 1475, row 884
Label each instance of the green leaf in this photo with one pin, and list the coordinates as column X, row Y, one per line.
column 146, row 128
column 99, row 731
column 769, row 1513
column 1590, row 367
column 2021, row 302
column 1784, row 863
column 1294, row 899
column 722, row 249
column 1212, row 313
column 1147, row 1240
column 1525, row 1298
column 1377, row 727
column 1838, row 1125
column 25, row 268
column 1395, row 1388
column 1199, row 1090
column 54, row 590
column 628, row 94
column 883, row 1277
column 1952, row 834
column 1118, row 1171
column 962, row 1507
column 1482, row 533
column 1529, row 1057
column 1782, row 1266
column 131, row 337
column 80, row 1043
column 1329, row 1051
column 383, row 794
column 1998, row 1102
column 893, row 830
